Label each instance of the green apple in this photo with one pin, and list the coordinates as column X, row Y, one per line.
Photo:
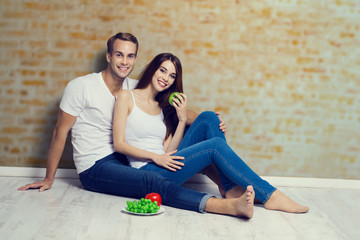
column 173, row 96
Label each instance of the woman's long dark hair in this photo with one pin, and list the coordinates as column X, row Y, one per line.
column 170, row 118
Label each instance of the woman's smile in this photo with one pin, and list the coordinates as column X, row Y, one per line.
column 162, row 83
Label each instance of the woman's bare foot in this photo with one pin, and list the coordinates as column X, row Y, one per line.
column 279, row 201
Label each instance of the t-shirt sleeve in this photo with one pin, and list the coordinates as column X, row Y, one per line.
column 73, row 101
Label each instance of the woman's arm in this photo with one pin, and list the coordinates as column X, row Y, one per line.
column 123, row 107
column 180, row 105
column 172, row 142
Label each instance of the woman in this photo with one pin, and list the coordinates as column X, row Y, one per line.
column 150, row 132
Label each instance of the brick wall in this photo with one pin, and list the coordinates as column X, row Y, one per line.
column 285, row 74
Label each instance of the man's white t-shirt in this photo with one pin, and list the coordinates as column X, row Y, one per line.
column 90, row 100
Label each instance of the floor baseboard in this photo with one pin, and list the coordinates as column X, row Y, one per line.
column 276, row 181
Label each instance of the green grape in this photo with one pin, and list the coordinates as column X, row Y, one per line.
column 142, row 206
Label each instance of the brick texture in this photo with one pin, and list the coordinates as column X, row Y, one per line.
column 284, row 74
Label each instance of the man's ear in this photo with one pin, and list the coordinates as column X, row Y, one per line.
column 107, row 57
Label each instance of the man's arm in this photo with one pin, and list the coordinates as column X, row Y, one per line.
column 63, row 125
column 191, row 116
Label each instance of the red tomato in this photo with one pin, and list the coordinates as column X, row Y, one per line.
column 154, row 197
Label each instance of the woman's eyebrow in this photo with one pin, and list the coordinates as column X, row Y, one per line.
column 167, row 70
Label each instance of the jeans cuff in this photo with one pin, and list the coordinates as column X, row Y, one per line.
column 203, row 202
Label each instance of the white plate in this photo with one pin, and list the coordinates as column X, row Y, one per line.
column 161, row 210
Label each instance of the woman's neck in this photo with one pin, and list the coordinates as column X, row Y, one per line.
column 148, row 93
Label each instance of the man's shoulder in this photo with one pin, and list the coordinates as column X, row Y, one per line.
column 85, row 79
column 132, row 80
column 132, row 83
column 88, row 77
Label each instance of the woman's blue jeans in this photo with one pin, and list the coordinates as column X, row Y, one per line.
column 112, row 175
column 204, row 144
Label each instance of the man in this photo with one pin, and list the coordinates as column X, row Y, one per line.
column 87, row 109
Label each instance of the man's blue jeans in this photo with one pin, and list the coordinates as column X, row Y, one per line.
column 204, row 144
column 112, row 175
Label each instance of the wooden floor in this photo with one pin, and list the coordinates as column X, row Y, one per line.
column 69, row 212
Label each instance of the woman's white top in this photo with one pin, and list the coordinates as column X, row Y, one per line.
column 144, row 131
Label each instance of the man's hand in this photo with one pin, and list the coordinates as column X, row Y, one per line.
column 41, row 185
column 222, row 124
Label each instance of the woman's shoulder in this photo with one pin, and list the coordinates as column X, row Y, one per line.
column 124, row 96
column 124, row 93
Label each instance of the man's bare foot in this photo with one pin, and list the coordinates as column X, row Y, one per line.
column 236, row 192
column 244, row 205
column 279, row 201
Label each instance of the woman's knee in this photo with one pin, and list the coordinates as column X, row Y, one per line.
column 208, row 115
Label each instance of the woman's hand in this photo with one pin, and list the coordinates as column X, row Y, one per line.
column 180, row 103
column 169, row 162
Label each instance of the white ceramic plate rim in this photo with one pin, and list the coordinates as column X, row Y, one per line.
column 161, row 210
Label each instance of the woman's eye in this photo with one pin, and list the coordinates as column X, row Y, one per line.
column 162, row 70
column 173, row 76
